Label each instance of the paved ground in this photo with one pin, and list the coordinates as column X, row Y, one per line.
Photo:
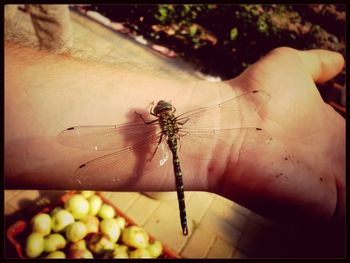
column 218, row 228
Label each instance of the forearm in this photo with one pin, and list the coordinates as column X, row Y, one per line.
column 46, row 93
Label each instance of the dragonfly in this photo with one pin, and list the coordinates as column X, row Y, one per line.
column 142, row 146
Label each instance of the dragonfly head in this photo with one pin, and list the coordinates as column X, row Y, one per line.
column 163, row 106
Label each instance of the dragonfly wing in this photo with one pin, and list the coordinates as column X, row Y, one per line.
column 218, row 144
column 128, row 163
column 227, row 114
column 107, row 137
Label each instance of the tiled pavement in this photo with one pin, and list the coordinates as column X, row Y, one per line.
column 218, row 228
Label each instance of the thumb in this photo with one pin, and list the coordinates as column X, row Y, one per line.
column 322, row 65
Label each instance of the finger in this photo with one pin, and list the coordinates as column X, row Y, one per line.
column 322, row 65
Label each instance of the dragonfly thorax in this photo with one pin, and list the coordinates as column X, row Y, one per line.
column 162, row 107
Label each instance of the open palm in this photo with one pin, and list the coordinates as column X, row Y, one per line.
column 300, row 173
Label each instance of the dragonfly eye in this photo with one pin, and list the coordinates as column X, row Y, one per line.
column 162, row 106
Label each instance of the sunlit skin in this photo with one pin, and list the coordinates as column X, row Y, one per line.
column 302, row 170
column 299, row 175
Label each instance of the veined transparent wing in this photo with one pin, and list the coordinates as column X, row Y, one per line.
column 107, row 137
column 215, row 131
column 228, row 114
column 128, row 163
column 220, row 143
column 135, row 145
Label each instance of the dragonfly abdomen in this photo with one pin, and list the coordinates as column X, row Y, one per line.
column 172, row 142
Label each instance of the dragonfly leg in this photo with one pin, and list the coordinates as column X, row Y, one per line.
column 145, row 122
column 156, row 148
column 183, row 123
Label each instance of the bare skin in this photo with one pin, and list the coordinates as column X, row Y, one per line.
column 300, row 174
column 304, row 164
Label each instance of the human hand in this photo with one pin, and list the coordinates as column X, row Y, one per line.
column 301, row 172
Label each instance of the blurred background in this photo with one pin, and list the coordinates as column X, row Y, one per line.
column 223, row 40
column 210, row 42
